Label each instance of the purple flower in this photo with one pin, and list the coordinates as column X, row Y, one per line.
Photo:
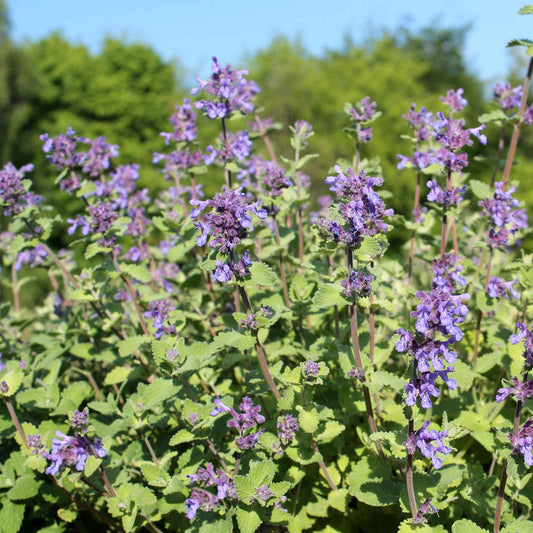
column 98, row 158
column 14, row 196
column 442, row 197
column 263, row 493
column 497, row 288
column 80, row 420
column 508, row 97
column 228, row 221
column 159, row 311
column 274, row 179
column 311, row 369
column 72, row 452
column 231, row 90
column 249, row 322
column 287, row 427
column 358, row 284
column 421, row 122
column 429, row 443
column 248, row 418
column 183, row 123
column 78, row 222
column 523, row 442
column 102, row 217
column 203, row 499
column 32, row 258
column 454, row 100
column 424, row 509
column 504, row 216
column 301, row 130
column 237, row 147
column 521, row 390
column 525, row 334
column 361, row 210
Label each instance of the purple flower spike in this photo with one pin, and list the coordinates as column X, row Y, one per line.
column 454, row 100
column 429, row 443
column 508, row 97
column 497, row 288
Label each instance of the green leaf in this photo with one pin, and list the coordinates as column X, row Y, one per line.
column 91, row 465
column 526, row 10
column 157, row 392
column 263, row 275
column 94, row 249
column 119, row 374
column 493, row 116
column 155, row 475
column 329, row 295
column 519, row 526
column 11, row 516
column 67, row 515
column 308, row 420
column 25, row 487
column 131, row 344
column 481, row 189
column 13, row 379
column 338, row 499
column 248, row 521
column 368, row 246
column 467, row 526
column 261, row 472
column 232, row 339
column 331, row 430
column 245, row 489
column 137, row 272
column 183, row 435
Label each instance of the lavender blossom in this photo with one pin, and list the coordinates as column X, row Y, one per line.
column 358, row 284
column 183, row 123
column 508, row 97
column 523, row 442
column 525, row 334
column 424, row 509
column 446, row 198
column 521, row 390
column 230, row 89
column 421, row 122
column 429, row 442
column 454, row 100
column 159, row 311
column 14, row 195
column 247, row 419
column 505, row 217
column 72, row 452
column 497, row 288
column 236, row 147
column 287, row 427
column 204, row 500
column 361, row 113
column 32, row 258
column 311, row 369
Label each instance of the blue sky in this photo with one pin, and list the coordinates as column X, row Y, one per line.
column 194, row 30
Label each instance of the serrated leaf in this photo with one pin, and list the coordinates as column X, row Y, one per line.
column 261, row 274
column 329, row 295
column 467, row 526
column 248, row 521
column 368, row 246
column 131, row 344
column 308, row 420
column 338, row 499
column 138, row 272
column 481, row 189
column 519, row 526
column 331, row 430
column 11, row 516
column 25, row 487
column 119, row 374
column 493, row 116
column 183, row 435
column 13, row 379
column 67, row 515
column 157, row 392
column 91, row 465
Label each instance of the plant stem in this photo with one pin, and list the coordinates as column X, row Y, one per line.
column 15, row 419
column 516, row 128
column 409, row 472
column 324, row 469
column 480, row 314
column 131, row 292
column 281, row 265
column 266, row 140
column 444, row 233
column 14, row 287
column 357, row 354
column 227, row 172
column 151, row 450
column 413, row 236
column 261, row 356
column 501, row 144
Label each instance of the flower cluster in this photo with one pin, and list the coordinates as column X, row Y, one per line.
column 521, row 390
column 360, row 208
column 497, row 288
column 62, row 152
column 429, row 442
column 73, row 451
column 247, row 419
column 226, row 225
column 233, row 147
column 508, row 97
column 183, row 123
column 159, row 311
column 504, row 216
column 361, row 113
column 204, row 500
column 14, row 195
column 454, row 100
column 32, row 258
column 358, row 284
column 421, row 122
column 526, row 335
column 438, row 317
column 523, row 442
column 445, row 198
column 230, row 89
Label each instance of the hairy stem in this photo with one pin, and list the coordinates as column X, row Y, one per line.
column 501, row 144
column 516, row 128
column 261, row 356
column 480, row 314
column 281, row 266
column 15, row 288
column 413, row 236
column 15, row 420
column 444, row 233
column 227, row 172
